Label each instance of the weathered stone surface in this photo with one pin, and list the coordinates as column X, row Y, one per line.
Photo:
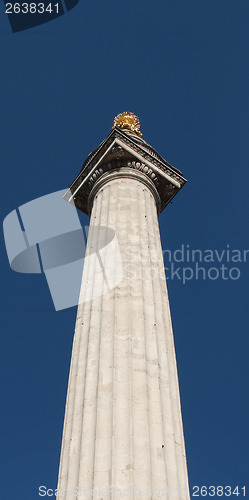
column 123, row 424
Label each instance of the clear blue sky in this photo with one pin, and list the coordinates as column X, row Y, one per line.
column 182, row 67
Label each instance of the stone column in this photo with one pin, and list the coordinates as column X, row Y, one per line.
column 123, row 427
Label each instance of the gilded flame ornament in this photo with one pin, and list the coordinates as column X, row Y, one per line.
column 127, row 121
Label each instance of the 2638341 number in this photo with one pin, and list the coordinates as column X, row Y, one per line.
column 31, row 8
column 211, row 491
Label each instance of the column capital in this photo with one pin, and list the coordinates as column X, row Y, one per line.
column 124, row 154
column 123, row 169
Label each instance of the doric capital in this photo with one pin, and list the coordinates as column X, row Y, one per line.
column 123, row 169
column 124, row 154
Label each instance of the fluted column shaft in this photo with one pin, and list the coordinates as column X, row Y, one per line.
column 123, row 425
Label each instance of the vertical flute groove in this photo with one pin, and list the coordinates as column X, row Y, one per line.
column 167, row 420
column 141, row 222
column 151, row 223
column 86, row 461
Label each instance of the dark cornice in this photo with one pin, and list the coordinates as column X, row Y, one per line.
column 118, row 151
